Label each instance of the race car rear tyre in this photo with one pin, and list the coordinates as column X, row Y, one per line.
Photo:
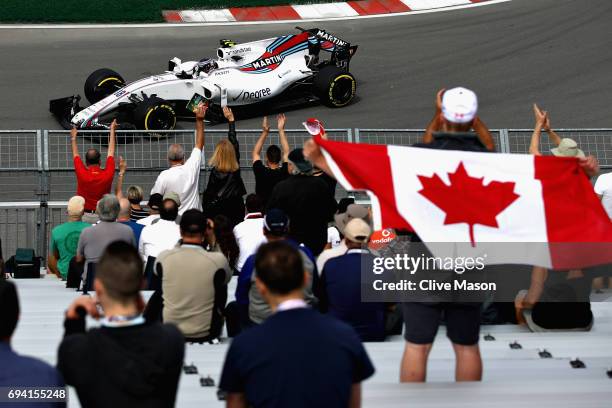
column 154, row 114
column 101, row 83
column 335, row 87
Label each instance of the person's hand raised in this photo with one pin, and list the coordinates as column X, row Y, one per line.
column 229, row 115
column 280, row 121
column 439, row 96
column 540, row 116
column 200, row 111
column 122, row 165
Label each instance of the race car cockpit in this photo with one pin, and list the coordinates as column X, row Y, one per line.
column 192, row 69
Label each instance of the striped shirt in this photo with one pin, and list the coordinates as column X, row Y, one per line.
column 136, row 215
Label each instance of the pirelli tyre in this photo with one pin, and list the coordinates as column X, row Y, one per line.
column 154, row 114
column 335, row 87
column 101, row 83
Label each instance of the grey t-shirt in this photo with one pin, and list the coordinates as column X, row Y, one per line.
column 95, row 239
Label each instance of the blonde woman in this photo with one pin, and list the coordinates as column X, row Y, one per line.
column 135, row 194
column 225, row 188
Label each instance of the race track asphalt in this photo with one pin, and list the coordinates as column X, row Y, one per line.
column 555, row 52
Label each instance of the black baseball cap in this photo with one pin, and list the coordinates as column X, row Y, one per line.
column 193, row 221
column 297, row 158
column 155, row 201
column 276, row 221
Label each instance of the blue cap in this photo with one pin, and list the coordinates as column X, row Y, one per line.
column 276, row 221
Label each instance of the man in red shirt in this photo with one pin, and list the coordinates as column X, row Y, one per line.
column 93, row 181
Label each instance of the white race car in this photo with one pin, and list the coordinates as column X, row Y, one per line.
column 268, row 74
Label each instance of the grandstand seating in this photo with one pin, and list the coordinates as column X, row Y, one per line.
column 512, row 377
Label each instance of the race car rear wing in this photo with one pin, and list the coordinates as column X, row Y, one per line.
column 342, row 51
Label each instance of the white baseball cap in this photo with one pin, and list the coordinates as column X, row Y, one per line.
column 459, row 105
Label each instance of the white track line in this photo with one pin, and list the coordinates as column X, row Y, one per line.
column 238, row 23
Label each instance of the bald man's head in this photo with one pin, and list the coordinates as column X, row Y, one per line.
column 176, row 153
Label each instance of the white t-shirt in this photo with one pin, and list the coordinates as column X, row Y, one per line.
column 158, row 237
column 333, row 236
column 249, row 235
column 603, row 187
column 183, row 180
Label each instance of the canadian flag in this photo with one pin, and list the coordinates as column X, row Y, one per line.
column 509, row 208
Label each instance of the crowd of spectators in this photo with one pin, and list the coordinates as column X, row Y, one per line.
column 298, row 256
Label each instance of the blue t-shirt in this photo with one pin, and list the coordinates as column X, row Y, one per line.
column 296, row 358
column 22, row 371
column 136, row 227
column 340, row 295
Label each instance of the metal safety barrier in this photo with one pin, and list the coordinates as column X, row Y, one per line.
column 37, row 173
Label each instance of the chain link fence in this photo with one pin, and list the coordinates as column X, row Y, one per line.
column 597, row 142
column 37, row 173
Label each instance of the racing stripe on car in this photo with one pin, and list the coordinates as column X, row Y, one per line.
column 278, row 49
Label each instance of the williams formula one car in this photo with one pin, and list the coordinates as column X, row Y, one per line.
column 277, row 72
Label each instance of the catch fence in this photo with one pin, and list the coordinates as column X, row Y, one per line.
column 37, row 175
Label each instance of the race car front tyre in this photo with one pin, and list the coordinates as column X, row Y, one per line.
column 335, row 87
column 154, row 114
column 101, row 83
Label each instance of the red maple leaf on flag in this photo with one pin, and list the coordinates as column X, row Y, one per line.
column 467, row 199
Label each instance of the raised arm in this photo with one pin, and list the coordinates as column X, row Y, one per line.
column 119, row 185
column 281, row 120
column 112, row 139
column 554, row 137
column 200, row 113
column 231, row 134
column 265, row 130
column 73, row 142
column 483, row 133
column 540, row 120
column 436, row 122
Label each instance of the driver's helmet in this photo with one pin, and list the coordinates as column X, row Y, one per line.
column 206, row 65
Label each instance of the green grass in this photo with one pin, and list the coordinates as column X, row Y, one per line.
column 112, row 11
